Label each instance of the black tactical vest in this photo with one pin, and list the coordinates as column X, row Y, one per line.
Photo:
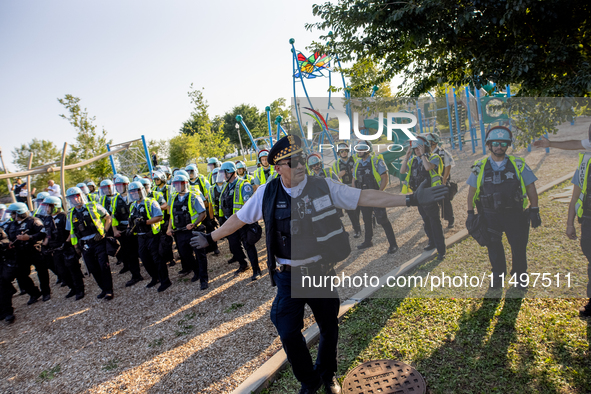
column 121, row 211
column 587, row 202
column 501, row 190
column 348, row 167
column 418, row 174
column 82, row 224
column 227, row 199
column 139, row 211
column 180, row 211
column 306, row 226
column 365, row 178
column 216, row 200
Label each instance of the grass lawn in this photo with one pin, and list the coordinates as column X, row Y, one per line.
column 490, row 344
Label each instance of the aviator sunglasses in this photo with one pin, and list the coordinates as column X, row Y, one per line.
column 293, row 161
column 497, row 143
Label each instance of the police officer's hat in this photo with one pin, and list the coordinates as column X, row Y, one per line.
column 228, row 167
column 342, row 146
column 499, row 133
column 419, row 141
column 314, row 159
column 286, row 147
column 18, row 207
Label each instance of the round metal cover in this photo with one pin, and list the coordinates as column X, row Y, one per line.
column 384, row 377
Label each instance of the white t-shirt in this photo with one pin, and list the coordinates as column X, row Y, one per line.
column 343, row 196
column 586, row 143
column 54, row 190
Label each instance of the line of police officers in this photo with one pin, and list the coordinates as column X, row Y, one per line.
column 126, row 219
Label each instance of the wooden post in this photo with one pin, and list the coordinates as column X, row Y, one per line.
column 29, row 200
column 63, row 177
column 12, row 196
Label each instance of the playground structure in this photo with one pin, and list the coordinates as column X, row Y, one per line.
column 133, row 160
column 465, row 113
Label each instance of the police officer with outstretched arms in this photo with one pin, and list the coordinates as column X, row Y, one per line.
column 313, row 200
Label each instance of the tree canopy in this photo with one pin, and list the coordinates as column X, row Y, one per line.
column 543, row 45
column 90, row 142
column 44, row 152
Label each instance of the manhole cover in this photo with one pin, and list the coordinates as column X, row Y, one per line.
column 384, row 377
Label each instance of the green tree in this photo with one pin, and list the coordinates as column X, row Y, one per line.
column 543, row 45
column 183, row 149
column 364, row 75
column 252, row 117
column 44, row 152
column 90, row 142
column 211, row 142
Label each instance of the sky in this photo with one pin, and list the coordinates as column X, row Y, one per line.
column 132, row 62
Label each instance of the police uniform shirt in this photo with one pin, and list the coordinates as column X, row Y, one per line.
column 153, row 209
column 526, row 173
column 101, row 211
column 196, row 201
column 448, row 159
column 343, row 197
column 380, row 167
column 160, row 200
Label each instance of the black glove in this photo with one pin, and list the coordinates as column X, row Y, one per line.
column 534, row 217
column 201, row 240
column 139, row 221
column 98, row 237
column 426, row 195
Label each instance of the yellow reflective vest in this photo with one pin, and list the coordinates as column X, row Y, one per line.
column 436, row 173
column 517, row 164
column 94, row 215
column 583, row 166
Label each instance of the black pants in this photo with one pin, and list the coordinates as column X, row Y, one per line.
column 432, row 226
column 149, row 251
column 354, row 218
column 196, row 258
column 97, row 261
column 586, row 247
column 128, row 254
column 166, row 244
column 209, row 228
column 30, row 256
column 73, row 277
column 447, row 211
column 55, row 264
column 237, row 241
column 9, row 270
column 382, row 219
column 287, row 314
column 515, row 225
